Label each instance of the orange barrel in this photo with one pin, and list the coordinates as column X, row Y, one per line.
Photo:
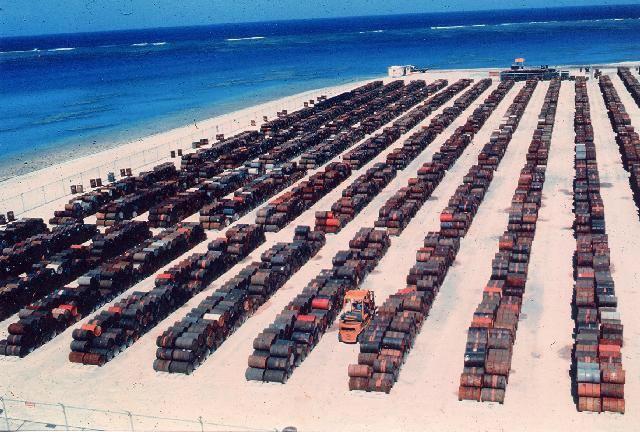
column 93, row 328
column 588, row 390
column 321, row 303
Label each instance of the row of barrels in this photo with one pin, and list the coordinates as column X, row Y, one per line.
column 322, row 104
column 20, row 230
column 203, row 162
column 598, row 376
column 19, row 257
column 434, row 259
column 188, row 342
column 224, row 211
column 398, row 211
column 631, row 83
column 366, row 187
column 492, row 332
column 112, row 330
column 291, row 204
column 385, row 343
column 287, row 150
column 358, row 123
column 285, row 343
column 401, row 157
column 626, row 136
column 355, row 197
column 90, row 202
column 42, row 320
column 54, row 271
column 370, row 148
column 130, row 206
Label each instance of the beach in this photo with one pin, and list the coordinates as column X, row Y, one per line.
column 317, row 397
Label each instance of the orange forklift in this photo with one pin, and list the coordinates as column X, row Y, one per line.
column 360, row 309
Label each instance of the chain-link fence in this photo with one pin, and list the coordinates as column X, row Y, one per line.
column 229, row 125
column 17, row 414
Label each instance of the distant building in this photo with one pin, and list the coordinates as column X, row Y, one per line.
column 400, row 71
column 519, row 72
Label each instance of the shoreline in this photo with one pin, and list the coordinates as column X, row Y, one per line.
column 62, row 152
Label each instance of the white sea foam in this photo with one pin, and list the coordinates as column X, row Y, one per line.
column 61, row 49
column 159, row 43
column 371, row 31
column 140, row 44
column 19, row 51
column 447, row 27
column 247, row 38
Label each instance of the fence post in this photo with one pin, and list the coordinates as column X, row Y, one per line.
column 4, row 411
column 64, row 412
column 201, row 424
column 130, row 420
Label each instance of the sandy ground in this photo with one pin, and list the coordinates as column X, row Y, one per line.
column 316, row 397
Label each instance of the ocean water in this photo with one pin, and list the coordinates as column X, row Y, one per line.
column 67, row 90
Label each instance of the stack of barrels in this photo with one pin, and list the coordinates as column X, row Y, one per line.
column 492, row 333
column 41, row 320
column 20, row 256
column 187, row 343
column 354, row 198
column 89, row 203
column 176, row 208
column 290, row 149
column 116, row 239
column 630, row 82
column 283, row 345
column 626, row 136
column 204, row 159
column 291, row 204
column 597, row 359
column 20, row 230
column 387, row 340
column 134, row 204
column 224, row 211
column 112, row 330
column 20, row 290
